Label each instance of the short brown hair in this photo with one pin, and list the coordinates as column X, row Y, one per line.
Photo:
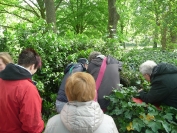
column 80, row 86
column 29, row 57
column 6, row 58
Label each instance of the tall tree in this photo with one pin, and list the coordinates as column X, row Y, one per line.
column 82, row 16
column 113, row 18
column 50, row 13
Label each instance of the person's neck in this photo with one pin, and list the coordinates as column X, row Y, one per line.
column 24, row 68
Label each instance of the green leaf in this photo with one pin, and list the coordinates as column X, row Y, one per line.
column 166, row 126
column 118, row 111
column 137, row 124
column 148, row 131
column 168, row 116
column 128, row 114
column 155, row 126
column 119, row 95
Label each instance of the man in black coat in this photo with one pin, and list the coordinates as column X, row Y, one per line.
column 163, row 79
column 111, row 77
column 80, row 66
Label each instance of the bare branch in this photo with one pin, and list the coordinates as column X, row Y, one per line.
column 5, row 11
column 35, row 4
column 32, row 7
column 21, row 7
column 5, row 26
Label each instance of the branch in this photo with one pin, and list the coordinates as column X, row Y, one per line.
column 58, row 5
column 34, row 11
column 17, row 16
column 34, row 4
column 5, row 26
column 21, row 7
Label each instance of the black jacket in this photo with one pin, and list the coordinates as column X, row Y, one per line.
column 110, row 80
column 163, row 86
column 15, row 72
column 71, row 68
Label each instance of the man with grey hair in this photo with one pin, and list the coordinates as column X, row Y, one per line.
column 163, row 79
column 146, row 69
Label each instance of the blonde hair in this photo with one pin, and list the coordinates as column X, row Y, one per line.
column 80, row 86
column 6, row 58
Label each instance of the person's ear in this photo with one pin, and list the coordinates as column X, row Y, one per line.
column 86, row 66
column 32, row 67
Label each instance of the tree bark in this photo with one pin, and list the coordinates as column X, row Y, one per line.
column 50, row 13
column 112, row 18
column 156, row 31
column 164, row 37
column 173, row 36
column 41, row 8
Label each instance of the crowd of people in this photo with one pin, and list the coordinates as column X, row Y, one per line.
column 80, row 101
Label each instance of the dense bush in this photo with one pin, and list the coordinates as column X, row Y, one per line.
column 132, row 117
column 56, row 52
column 135, row 57
column 135, row 118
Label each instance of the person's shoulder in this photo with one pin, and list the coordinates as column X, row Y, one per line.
column 53, row 120
column 113, row 60
column 28, row 86
column 107, row 117
column 68, row 67
column 107, row 125
column 54, row 125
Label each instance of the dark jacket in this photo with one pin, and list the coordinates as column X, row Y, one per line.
column 163, row 86
column 110, row 80
column 20, row 103
column 71, row 68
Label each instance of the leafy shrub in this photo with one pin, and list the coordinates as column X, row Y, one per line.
column 134, row 58
column 56, row 52
column 135, row 118
column 132, row 117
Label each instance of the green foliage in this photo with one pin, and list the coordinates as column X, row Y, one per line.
column 83, row 16
column 135, row 57
column 132, row 117
column 56, row 52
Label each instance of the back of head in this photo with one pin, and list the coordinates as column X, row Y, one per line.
column 93, row 55
column 6, row 58
column 80, row 86
column 83, row 61
column 29, row 57
column 147, row 67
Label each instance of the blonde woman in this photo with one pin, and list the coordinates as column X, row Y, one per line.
column 5, row 59
column 81, row 114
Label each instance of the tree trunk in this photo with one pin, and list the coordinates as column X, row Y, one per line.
column 173, row 36
column 112, row 18
column 156, row 30
column 155, row 37
column 41, row 8
column 50, row 13
column 164, row 37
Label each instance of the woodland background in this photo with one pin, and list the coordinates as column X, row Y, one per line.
column 132, row 31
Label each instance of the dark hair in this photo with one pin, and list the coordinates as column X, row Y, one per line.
column 83, row 61
column 29, row 57
column 93, row 55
